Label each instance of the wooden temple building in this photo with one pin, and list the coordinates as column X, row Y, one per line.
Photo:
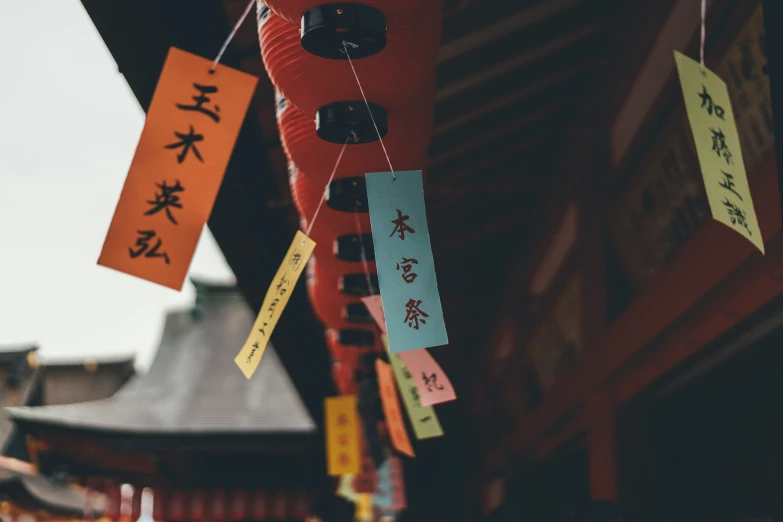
column 26, row 381
column 608, row 340
column 210, row 444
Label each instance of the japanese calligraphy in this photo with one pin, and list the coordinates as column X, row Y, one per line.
column 719, row 145
column 707, row 103
column 187, row 142
column 391, row 409
column 200, row 99
column 296, row 260
column 166, row 200
column 187, row 129
column 423, row 418
column 407, row 269
column 431, row 381
column 718, row 148
column 253, row 352
column 403, row 255
column 282, row 287
column 143, row 244
column 736, row 215
column 728, row 184
column 342, row 435
column 400, row 227
column 414, row 315
column 275, row 301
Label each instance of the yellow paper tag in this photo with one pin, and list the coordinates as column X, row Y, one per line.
column 275, row 301
column 342, row 435
column 423, row 418
column 364, row 507
column 714, row 129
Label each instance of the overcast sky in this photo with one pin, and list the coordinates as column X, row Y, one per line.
column 69, row 125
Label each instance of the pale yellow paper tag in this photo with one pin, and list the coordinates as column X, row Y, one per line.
column 342, row 435
column 345, row 489
column 275, row 301
column 714, row 129
column 423, row 418
column 364, row 507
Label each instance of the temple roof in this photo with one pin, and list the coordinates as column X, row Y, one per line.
column 11, row 353
column 33, row 491
column 193, row 386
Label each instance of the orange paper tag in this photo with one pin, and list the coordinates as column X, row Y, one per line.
column 342, row 435
column 391, row 409
column 192, row 125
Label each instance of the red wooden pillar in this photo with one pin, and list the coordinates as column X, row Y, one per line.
column 601, row 445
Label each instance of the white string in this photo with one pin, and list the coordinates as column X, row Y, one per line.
column 703, row 30
column 362, row 253
column 232, row 35
column 323, row 196
column 345, row 50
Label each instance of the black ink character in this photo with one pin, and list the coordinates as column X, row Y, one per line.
column 706, row 102
column 253, row 351
column 187, row 142
column 414, row 314
column 200, row 100
column 719, row 145
column 431, row 381
column 143, row 242
column 273, row 307
column 728, row 184
column 165, row 199
column 296, row 260
column 407, row 266
column 400, row 227
column 737, row 215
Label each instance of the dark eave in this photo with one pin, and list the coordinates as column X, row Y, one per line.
column 36, row 492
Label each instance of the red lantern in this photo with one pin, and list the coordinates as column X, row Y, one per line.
column 307, row 194
column 136, row 503
column 280, row 505
column 217, row 505
column 197, row 503
column 350, row 355
column 393, row 78
column 342, row 374
column 113, row 501
column 406, row 143
column 238, row 505
column 292, row 10
column 301, row 505
column 328, row 301
column 159, row 504
column 259, row 505
column 176, row 506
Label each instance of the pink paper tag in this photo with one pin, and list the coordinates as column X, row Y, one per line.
column 432, row 382
column 375, row 307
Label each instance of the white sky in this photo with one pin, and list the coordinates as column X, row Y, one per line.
column 69, row 125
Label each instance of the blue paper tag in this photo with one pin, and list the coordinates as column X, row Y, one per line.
column 403, row 255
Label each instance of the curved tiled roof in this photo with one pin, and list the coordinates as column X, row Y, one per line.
column 193, row 386
column 36, row 491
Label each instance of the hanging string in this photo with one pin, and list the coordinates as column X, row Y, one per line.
column 231, row 36
column 326, row 188
column 703, row 30
column 362, row 253
column 350, row 62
